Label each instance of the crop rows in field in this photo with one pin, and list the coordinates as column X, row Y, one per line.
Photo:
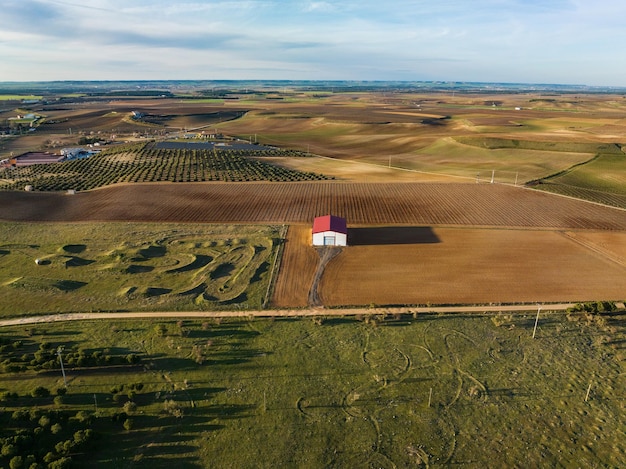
column 142, row 163
column 601, row 197
column 360, row 203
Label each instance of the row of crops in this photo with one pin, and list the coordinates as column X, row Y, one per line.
column 143, row 163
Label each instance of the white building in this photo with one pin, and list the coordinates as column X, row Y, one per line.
column 330, row 230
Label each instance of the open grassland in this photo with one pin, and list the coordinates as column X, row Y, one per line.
column 472, row 160
column 603, row 180
column 373, row 391
column 418, row 265
column 18, row 97
column 126, row 266
column 361, row 204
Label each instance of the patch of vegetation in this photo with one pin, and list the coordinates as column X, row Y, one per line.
column 142, row 163
column 601, row 179
column 377, row 390
column 494, row 143
column 177, row 269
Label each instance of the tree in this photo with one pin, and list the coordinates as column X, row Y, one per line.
column 40, row 391
column 63, row 463
column 17, row 462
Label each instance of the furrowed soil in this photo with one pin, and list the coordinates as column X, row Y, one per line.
column 361, row 204
column 297, row 267
column 475, row 266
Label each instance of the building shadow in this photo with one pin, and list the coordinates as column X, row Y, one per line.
column 391, row 235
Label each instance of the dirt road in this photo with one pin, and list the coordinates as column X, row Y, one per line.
column 281, row 313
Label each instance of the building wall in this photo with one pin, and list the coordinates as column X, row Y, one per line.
column 341, row 239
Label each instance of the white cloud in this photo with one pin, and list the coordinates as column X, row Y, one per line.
column 545, row 40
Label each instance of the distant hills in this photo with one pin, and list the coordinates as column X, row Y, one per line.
column 167, row 88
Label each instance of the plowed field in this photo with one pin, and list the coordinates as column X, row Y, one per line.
column 296, row 269
column 474, row 266
column 360, row 203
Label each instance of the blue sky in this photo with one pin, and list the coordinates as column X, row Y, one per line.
column 527, row 41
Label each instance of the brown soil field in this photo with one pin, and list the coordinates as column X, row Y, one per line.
column 357, row 171
column 474, row 266
column 297, row 267
column 414, row 204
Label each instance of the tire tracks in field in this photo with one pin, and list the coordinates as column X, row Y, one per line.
column 326, row 253
column 599, row 250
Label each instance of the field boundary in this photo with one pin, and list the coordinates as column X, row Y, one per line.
column 306, row 312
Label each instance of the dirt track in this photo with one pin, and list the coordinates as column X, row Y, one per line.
column 281, row 313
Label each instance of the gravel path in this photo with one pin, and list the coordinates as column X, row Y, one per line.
column 280, row 313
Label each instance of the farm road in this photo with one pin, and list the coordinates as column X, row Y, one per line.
column 279, row 313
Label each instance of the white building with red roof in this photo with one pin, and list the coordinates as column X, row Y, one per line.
column 330, row 230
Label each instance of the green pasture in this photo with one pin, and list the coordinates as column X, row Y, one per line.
column 373, row 391
column 604, row 173
column 448, row 156
column 128, row 266
column 18, row 97
column 602, row 179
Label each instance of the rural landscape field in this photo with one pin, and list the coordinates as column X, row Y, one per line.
column 198, row 199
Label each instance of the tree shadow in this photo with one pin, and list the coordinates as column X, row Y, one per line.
column 74, row 261
column 69, row 285
column 383, row 235
column 139, row 269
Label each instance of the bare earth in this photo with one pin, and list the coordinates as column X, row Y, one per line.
column 474, row 266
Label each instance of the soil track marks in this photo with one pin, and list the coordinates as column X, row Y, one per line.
column 361, row 203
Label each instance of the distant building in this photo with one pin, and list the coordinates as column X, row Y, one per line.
column 76, row 153
column 34, row 157
column 330, row 230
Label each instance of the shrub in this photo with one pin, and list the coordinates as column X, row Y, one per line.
column 130, row 407
column 56, row 429
column 17, row 462
column 40, row 391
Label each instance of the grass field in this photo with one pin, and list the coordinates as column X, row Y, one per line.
column 602, row 179
column 130, row 266
column 511, row 165
column 18, row 97
column 379, row 391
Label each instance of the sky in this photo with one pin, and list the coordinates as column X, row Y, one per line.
column 514, row 41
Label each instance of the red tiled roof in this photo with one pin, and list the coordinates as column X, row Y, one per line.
column 330, row 223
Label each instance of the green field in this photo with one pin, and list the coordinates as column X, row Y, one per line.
column 380, row 391
column 18, row 97
column 603, row 179
column 133, row 267
column 469, row 157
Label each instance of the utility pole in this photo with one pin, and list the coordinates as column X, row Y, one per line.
column 59, row 351
column 536, row 321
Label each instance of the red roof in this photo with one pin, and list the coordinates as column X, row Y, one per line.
column 330, row 223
